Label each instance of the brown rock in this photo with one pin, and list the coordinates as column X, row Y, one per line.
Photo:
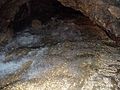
column 115, row 11
column 8, row 10
column 106, row 13
column 36, row 24
column 5, row 36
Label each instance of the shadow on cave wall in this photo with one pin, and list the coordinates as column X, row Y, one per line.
column 42, row 10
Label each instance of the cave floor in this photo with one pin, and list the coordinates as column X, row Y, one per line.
column 60, row 55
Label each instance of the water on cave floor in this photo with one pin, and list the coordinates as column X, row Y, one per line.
column 59, row 56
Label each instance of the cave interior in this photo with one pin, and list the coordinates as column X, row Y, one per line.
column 44, row 11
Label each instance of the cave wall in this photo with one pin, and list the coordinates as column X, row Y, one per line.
column 11, row 13
column 106, row 13
column 14, row 11
column 8, row 9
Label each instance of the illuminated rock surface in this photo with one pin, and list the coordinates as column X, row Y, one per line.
column 65, row 58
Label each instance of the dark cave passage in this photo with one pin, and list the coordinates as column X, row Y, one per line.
column 43, row 11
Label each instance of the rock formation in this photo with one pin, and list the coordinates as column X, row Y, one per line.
column 8, row 9
column 106, row 13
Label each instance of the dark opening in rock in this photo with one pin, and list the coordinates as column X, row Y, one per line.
column 40, row 12
column 43, row 11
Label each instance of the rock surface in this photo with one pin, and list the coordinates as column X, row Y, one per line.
column 8, row 9
column 59, row 55
column 106, row 13
column 64, row 56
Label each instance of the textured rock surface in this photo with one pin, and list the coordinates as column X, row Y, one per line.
column 14, row 13
column 106, row 13
column 72, row 58
column 8, row 9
